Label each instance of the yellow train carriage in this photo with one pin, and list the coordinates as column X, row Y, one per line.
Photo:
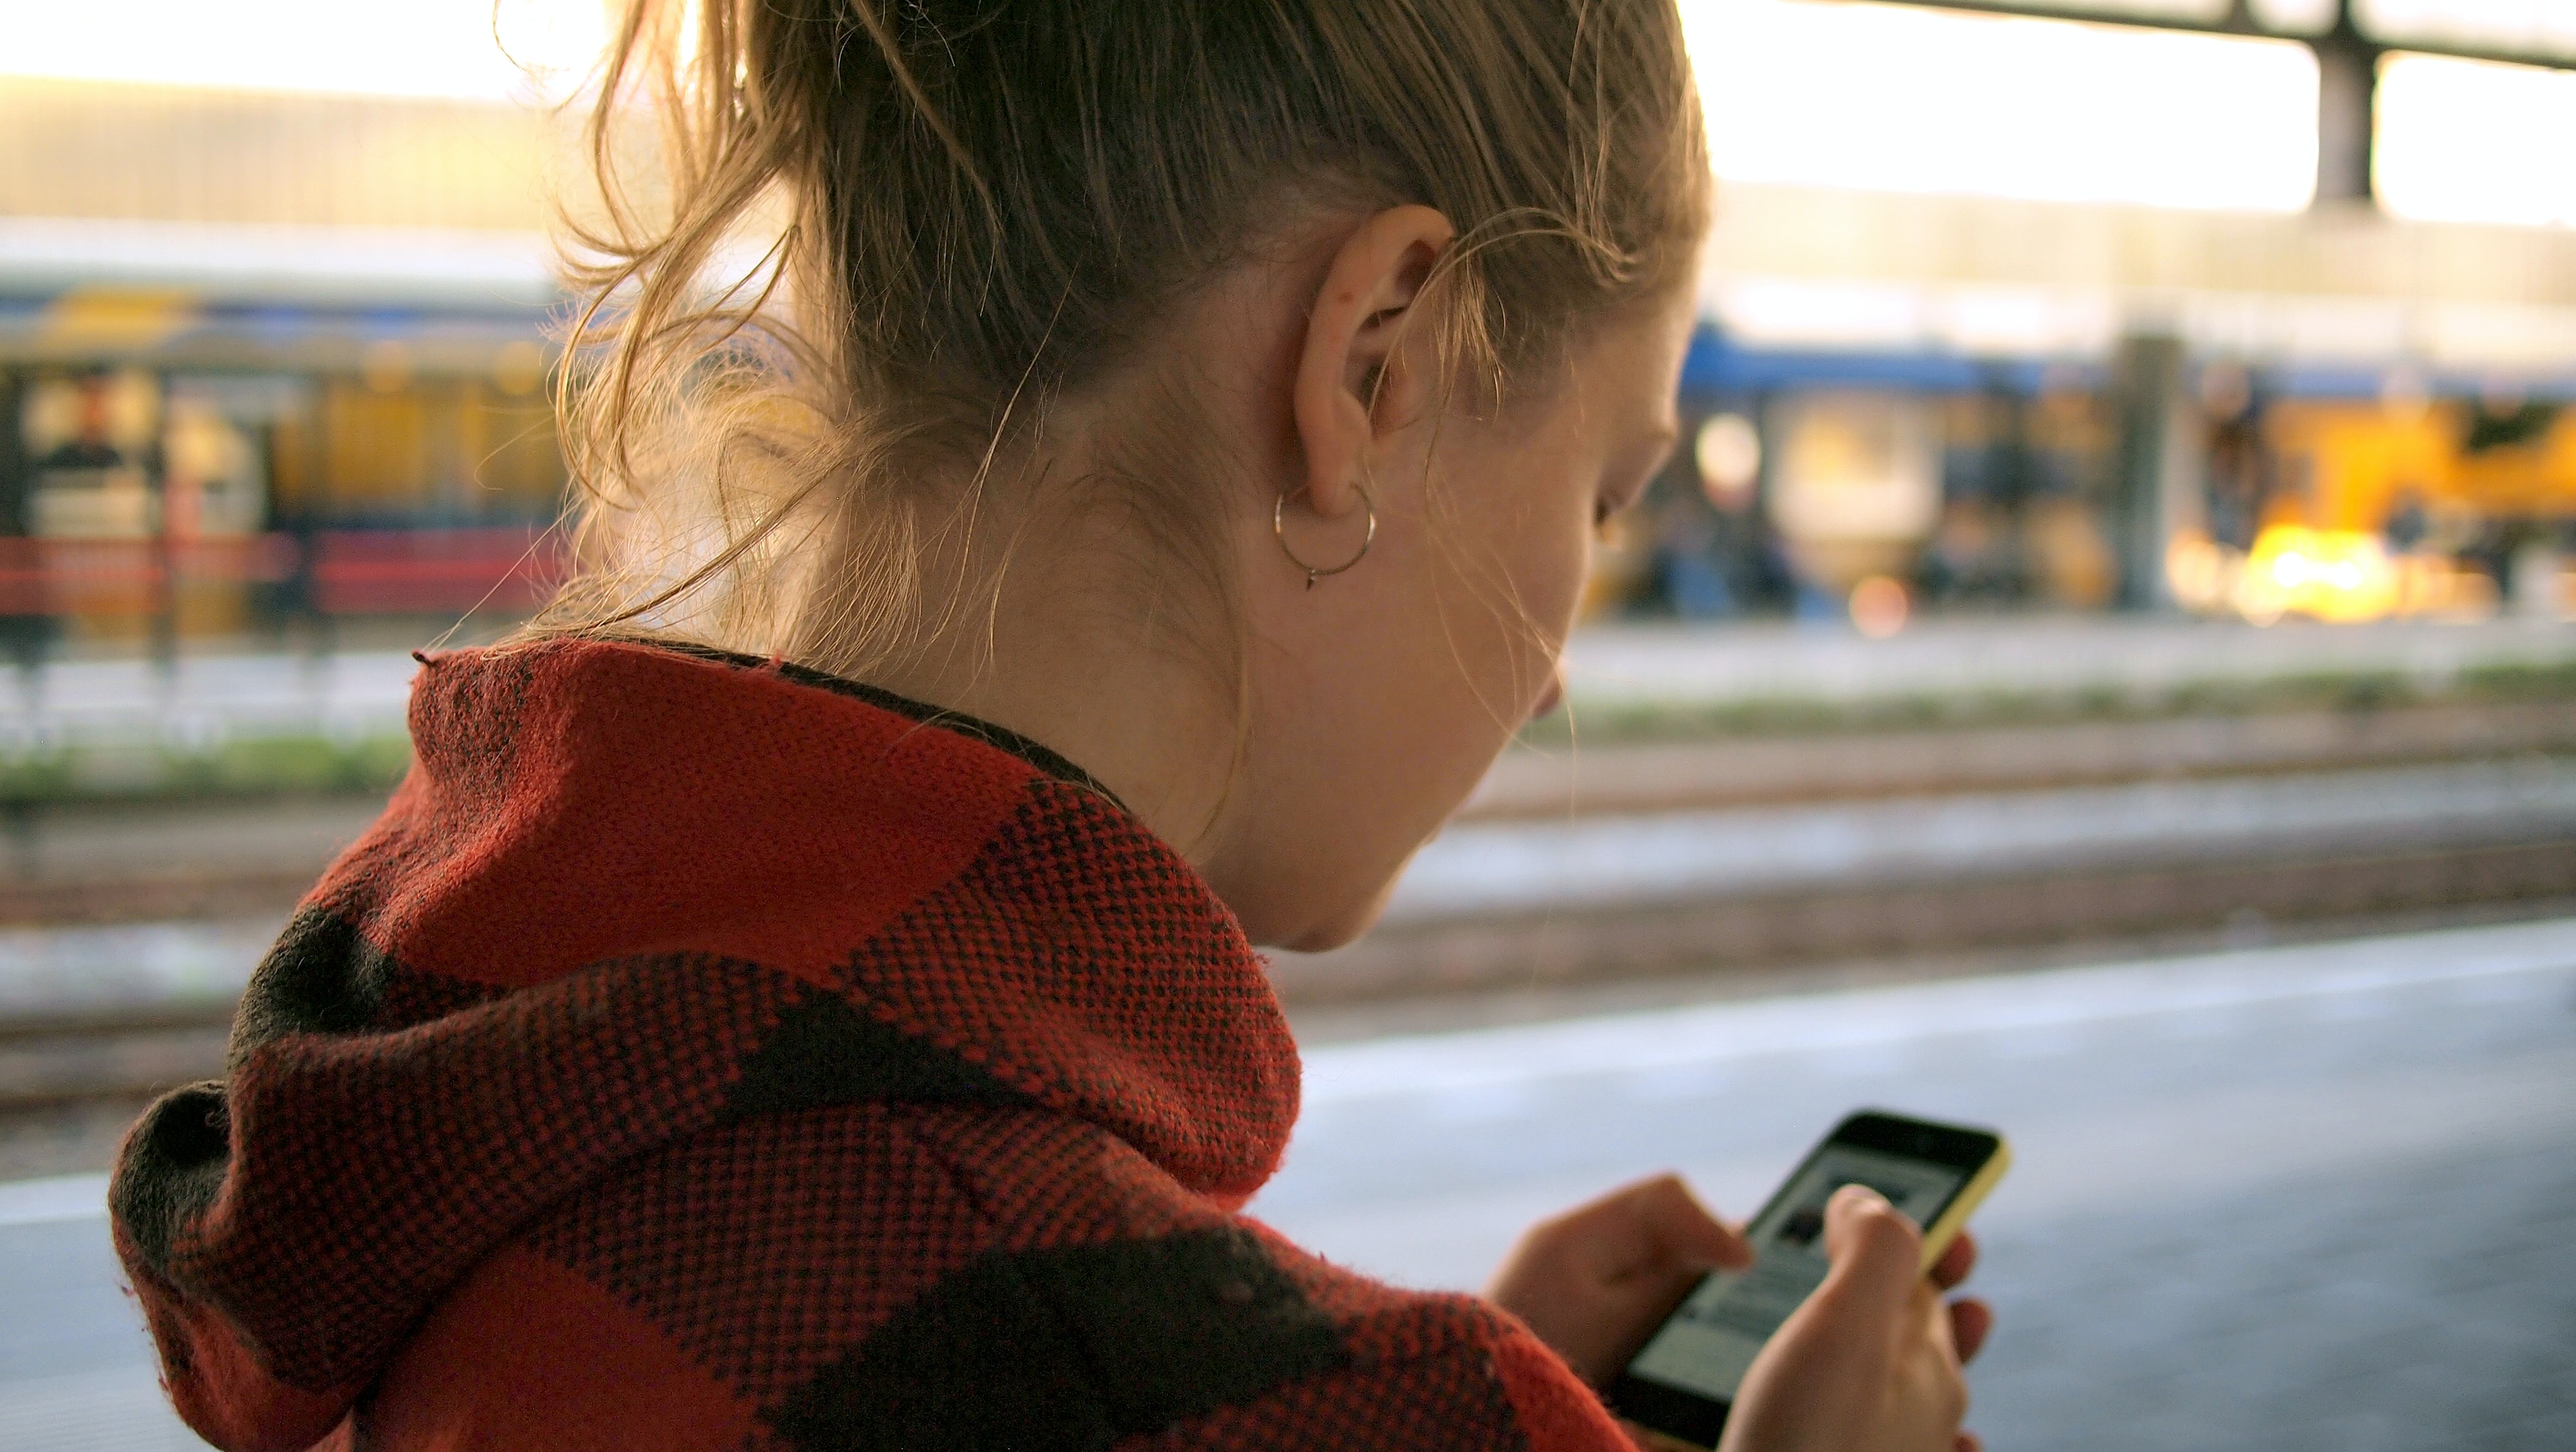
column 2402, row 507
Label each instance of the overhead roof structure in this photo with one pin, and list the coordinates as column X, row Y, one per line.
column 193, row 226
column 2349, row 38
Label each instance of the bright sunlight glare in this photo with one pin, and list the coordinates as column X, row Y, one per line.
column 2469, row 141
column 1803, row 92
column 1892, row 99
column 451, row 49
column 2511, row 27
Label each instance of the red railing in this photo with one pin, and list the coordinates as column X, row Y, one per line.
column 432, row 571
column 346, row 572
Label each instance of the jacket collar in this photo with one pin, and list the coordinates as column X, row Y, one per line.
column 597, row 800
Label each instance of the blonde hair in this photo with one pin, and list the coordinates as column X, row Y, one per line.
column 964, row 209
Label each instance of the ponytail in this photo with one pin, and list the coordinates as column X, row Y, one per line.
column 842, row 248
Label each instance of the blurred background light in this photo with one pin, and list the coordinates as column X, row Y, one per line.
column 2299, row 17
column 1879, row 607
column 1902, row 100
column 1729, row 454
column 420, row 48
column 2527, row 27
column 2473, row 141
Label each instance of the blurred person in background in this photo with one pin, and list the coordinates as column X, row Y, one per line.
column 1689, row 575
column 2241, row 466
column 805, row 987
column 87, row 485
column 1973, row 557
column 89, row 447
column 1723, row 469
column 2070, row 445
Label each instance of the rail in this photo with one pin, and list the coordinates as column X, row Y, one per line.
column 328, row 572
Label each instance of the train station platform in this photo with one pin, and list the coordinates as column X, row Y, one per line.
column 1743, row 676
column 2294, row 1197
column 2311, row 1196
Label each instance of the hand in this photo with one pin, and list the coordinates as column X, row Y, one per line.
column 1872, row 1359
column 1596, row 1281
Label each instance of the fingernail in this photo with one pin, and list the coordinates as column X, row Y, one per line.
column 1861, row 1195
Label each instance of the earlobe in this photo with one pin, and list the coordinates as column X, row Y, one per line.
column 1314, row 572
column 1349, row 362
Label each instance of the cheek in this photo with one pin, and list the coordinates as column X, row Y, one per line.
column 1428, row 683
column 1510, row 625
column 1552, row 559
column 1569, row 567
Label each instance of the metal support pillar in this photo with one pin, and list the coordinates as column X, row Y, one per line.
column 2347, row 112
column 2153, row 487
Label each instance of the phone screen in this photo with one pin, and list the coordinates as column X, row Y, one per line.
column 1709, row 1343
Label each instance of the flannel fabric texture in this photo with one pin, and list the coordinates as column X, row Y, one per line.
column 707, row 1054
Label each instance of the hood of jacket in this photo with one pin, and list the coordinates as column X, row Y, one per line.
column 627, row 892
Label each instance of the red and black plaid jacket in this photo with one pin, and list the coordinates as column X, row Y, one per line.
column 705, row 1055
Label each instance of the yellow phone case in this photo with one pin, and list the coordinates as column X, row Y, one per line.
column 1944, row 1229
column 1936, row 1240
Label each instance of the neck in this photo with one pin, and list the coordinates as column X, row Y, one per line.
column 1072, row 641
column 1085, row 608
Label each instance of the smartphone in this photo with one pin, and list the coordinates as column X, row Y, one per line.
column 1682, row 1382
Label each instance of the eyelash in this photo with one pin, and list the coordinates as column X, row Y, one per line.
column 1605, row 509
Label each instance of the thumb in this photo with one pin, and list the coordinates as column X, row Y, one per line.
column 1682, row 1228
column 1874, row 1250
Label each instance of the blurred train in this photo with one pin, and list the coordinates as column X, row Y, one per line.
column 276, row 441
column 261, row 434
column 1876, row 483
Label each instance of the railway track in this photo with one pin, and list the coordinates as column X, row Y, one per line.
column 71, row 1082
column 215, row 858
column 2114, row 909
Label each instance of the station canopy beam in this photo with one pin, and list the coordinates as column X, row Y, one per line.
column 2348, row 56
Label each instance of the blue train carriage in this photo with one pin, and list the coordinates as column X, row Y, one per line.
column 1866, row 479
column 1872, row 479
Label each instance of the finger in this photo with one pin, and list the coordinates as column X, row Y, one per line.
column 1653, row 1226
column 1875, row 1252
column 1685, row 1230
column 1971, row 1321
column 1931, row 1315
column 1956, row 1261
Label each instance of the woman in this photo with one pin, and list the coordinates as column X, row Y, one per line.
column 803, row 993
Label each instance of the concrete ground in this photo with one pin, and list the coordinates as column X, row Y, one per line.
column 2321, row 1195
column 2309, row 1196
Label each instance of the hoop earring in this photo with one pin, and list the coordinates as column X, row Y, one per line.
column 1279, row 531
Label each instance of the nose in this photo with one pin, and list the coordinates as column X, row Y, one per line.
column 1551, row 698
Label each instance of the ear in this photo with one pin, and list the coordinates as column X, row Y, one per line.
column 1350, row 384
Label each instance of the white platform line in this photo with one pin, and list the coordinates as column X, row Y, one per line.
column 64, row 1197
